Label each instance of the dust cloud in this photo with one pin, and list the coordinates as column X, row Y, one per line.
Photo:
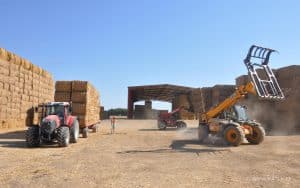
column 275, row 122
column 191, row 133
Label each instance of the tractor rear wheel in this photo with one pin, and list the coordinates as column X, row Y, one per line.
column 180, row 124
column 33, row 136
column 161, row 125
column 85, row 132
column 74, row 132
column 63, row 136
column 257, row 135
column 234, row 135
column 203, row 132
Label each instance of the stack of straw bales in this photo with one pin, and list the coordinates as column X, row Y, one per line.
column 85, row 100
column 277, row 116
column 22, row 86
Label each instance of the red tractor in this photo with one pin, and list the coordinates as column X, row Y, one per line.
column 55, row 123
column 170, row 119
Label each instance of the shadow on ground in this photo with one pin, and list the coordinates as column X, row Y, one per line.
column 22, row 144
column 16, row 139
column 180, row 146
column 167, row 129
column 13, row 144
column 116, row 133
column 13, row 135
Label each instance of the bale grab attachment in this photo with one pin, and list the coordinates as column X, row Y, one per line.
column 266, row 85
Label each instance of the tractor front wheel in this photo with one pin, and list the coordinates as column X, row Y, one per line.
column 257, row 136
column 63, row 136
column 161, row 125
column 74, row 132
column 234, row 135
column 33, row 136
column 203, row 132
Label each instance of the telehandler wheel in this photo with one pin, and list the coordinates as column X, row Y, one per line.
column 203, row 132
column 161, row 125
column 234, row 135
column 180, row 124
column 63, row 136
column 257, row 136
column 85, row 132
column 33, row 136
column 74, row 132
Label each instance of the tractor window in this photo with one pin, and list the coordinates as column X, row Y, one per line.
column 241, row 113
column 55, row 110
column 222, row 115
column 229, row 114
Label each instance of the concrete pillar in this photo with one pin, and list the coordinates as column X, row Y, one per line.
column 130, row 104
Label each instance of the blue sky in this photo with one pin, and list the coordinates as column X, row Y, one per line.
column 117, row 43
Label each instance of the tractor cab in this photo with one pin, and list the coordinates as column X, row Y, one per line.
column 61, row 109
column 236, row 113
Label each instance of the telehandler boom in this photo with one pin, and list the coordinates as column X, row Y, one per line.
column 230, row 120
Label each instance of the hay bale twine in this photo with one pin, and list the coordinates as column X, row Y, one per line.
column 48, row 75
column 45, row 74
column 40, row 71
column 22, row 61
column 27, row 65
column 36, row 69
column 17, row 60
column 10, row 57
column 3, row 54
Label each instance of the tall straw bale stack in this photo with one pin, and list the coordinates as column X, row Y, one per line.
column 22, row 86
column 85, row 100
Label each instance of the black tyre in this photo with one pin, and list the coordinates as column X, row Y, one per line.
column 203, row 132
column 33, row 136
column 180, row 124
column 63, row 136
column 257, row 136
column 74, row 132
column 161, row 125
column 234, row 135
column 85, row 132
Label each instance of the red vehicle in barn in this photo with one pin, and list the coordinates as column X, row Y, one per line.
column 170, row 119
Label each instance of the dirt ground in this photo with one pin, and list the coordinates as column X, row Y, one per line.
column 138, row 155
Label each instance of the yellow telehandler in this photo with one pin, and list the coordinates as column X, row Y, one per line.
column 230, row 120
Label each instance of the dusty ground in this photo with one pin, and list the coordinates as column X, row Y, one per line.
column 138, row 155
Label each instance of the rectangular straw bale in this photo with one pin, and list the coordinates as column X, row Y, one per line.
column 85, row 102
column 79, row 108
column 63, row 86
column 80, row 97
column 80, row 85
column 62, row 96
